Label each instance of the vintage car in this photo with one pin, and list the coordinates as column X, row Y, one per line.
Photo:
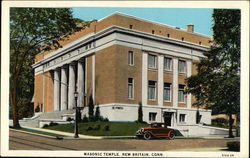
column 156, row 130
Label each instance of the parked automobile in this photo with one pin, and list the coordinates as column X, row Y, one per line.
column 156, row 130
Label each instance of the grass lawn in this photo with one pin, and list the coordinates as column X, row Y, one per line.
column 98, row 128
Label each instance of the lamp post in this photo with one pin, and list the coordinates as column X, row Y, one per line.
column 76, row 115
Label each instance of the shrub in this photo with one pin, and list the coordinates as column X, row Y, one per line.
column 53, row 124
column 140, row 113
column 177, row 132
column 106, row 119
column 69, row 119
column 37, row 108
column 219, row 121
column 89, row 128
column 85, row 119
column 92, row 118
column 97, row 127
column 91, row 107
column 45, row 126
column 233, row 146
column 106, row 128
column 97, row 113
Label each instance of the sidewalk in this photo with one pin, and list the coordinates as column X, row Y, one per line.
column 66, row 135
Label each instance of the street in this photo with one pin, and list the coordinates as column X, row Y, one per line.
column 24, row 141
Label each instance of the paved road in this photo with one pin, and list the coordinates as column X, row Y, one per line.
column 23, row 141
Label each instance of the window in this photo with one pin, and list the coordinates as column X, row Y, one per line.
column 153, row 31
column 182, row 66
column 181, row 95
column 130, row 58
column 168, row 35
column 152, row 116
column 182, row 118
column 167, row 91
column 131, row 26
column 151, row 90
column 151, row 61
column 167, row 64
column 130, row 88
column 182, row 38
column 200, row 43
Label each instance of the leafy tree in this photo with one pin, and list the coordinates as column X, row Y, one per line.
column 140, row 113
column 217, row 83
column 33, row 30
column 91, row 107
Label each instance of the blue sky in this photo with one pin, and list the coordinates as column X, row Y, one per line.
column 177, row 17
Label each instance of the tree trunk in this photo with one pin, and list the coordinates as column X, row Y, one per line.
column 13, row 99
column 230, row 133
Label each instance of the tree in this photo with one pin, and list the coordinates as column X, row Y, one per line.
column 91, row 107
column 217, row 83
column 140, row 113
column 33, row 30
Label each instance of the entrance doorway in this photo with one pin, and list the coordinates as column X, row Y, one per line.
column 167, row 118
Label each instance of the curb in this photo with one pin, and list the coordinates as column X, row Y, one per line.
column 118, row 137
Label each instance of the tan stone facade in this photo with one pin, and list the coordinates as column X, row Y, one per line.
column 103, row 68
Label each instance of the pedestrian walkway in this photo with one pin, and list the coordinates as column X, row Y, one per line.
column 66, row 134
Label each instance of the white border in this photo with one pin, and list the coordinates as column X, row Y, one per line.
column 243, row 5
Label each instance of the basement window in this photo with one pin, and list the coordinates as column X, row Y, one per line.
column 182, row 38
column 153, row 31
column 152, row 116
column 168, row 35
column 182, row 118
column 131, row 26
column 200, row 43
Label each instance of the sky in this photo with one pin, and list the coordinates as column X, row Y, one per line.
column 201, row 18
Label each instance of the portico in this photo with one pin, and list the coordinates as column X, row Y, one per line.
column 68, row 79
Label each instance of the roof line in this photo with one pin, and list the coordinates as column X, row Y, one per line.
column 158, row 23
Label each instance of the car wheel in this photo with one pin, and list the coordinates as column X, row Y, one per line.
column 147, row 136
column 172, row 135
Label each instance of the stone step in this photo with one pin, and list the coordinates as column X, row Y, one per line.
column 55, row 115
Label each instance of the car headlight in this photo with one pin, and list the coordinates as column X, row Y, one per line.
column 142, row 130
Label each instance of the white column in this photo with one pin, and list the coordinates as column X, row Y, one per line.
column 160, row 80
column 56, row 90
column 64, row 88
column 175, row 82
column 189, row 73
column 144, row 78
column 72, row 84
column 93, row 77
column 80, row 83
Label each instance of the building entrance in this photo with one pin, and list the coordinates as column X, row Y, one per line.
column 167, row 118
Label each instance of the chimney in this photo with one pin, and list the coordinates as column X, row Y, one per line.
column 190, row 28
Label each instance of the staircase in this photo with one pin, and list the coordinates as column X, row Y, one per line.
column 54, row 116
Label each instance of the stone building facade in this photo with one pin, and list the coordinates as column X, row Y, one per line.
column 121, row 61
